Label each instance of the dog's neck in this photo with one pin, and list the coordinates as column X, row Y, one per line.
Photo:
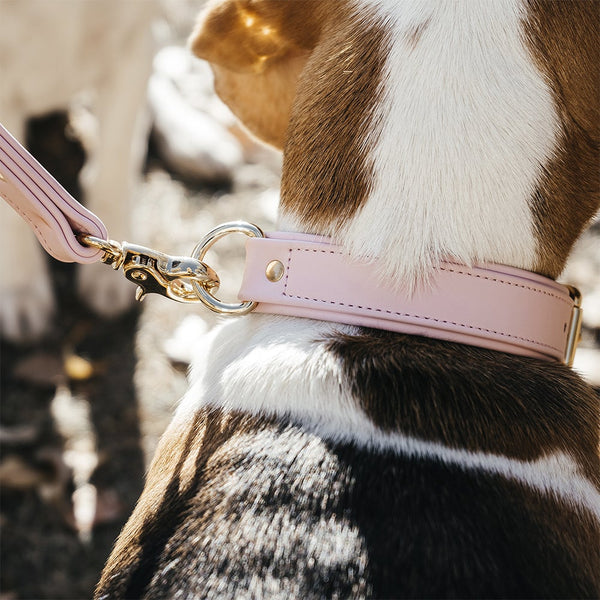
column 433, row 134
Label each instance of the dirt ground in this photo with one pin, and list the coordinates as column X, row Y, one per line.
column 82, row 409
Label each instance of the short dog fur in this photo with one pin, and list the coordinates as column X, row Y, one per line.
column 313, row 460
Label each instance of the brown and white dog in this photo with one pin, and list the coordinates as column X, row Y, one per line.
column 312, row 460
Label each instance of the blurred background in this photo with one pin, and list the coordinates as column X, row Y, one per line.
column 83, row 404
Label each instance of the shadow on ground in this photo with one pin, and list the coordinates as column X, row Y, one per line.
column 43, row 552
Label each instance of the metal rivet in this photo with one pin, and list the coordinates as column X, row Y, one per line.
column 139, row 275
column 274, row 270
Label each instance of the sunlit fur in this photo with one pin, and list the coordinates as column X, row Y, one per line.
column 460, row 138
column 282, row 366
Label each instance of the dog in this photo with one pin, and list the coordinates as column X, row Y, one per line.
column 49, row 53
column 311, row 459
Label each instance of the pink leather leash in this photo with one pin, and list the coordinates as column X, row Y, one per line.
column 53, row 214
column 491, row 306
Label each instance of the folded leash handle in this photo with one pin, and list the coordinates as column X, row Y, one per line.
column 53, row 214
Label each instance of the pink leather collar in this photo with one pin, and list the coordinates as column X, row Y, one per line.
column 491, row 306
column 53, row 214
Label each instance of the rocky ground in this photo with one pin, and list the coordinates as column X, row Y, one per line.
column 82, row 410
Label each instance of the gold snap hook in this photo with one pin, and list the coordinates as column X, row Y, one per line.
column 155, row 272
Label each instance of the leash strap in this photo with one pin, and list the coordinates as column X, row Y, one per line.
column 53, row 214
column 491, row 306
column 71, row 233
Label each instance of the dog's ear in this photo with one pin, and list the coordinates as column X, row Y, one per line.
column 257, row 49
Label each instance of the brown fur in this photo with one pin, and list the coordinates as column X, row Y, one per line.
column 270, row 87
column 257, row 50
column 564, row 37
column 181, row 463
column 216, row 487
column 326, row 172
column 388, row 371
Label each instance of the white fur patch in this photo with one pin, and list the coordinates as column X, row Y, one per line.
column 464, row 127
column 280, row 366
column 263, row 363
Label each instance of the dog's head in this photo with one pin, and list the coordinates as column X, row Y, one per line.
column 418, row 130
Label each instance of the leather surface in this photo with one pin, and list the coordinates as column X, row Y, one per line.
column 491, row 306
column 52, row 213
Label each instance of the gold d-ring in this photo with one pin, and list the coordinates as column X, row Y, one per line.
column 204, row 295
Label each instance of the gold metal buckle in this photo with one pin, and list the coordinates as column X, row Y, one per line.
column 574, row 336
column 205, row 294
